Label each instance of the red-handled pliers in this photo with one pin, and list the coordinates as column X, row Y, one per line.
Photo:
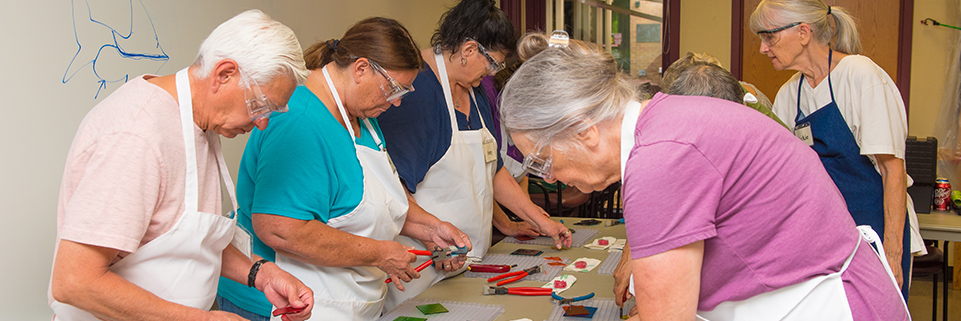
column 517, row 275
column 490, row 268
column 492, row 290
column 424, row 265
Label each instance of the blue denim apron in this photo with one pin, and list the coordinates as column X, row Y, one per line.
column 853, row 173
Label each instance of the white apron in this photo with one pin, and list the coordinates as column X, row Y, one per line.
column 821, row 298
column 357, row 293
column 183, row 264
column 457, row 189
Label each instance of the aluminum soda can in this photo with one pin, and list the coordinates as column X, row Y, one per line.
column 942, row 194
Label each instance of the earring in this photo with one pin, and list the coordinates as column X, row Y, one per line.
column 463, row 61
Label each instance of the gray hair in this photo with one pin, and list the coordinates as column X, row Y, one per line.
column 560, row 91
column 262, row 47
column 706, row 79
column 688, row 60
column 776, row 13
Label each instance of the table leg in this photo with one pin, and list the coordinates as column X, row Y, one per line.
column 957, row 266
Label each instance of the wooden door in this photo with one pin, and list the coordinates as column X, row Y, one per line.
column 878, row 23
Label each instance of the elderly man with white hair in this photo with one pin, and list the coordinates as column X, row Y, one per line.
column 140, row 233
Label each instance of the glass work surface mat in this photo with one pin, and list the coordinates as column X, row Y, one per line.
column 458, row 311
column 548, row 272
column 581, row 236
column 610, row 263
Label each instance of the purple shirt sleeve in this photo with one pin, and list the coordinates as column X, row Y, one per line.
column 671, row 197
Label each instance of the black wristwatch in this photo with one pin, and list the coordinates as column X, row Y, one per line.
column 252, row 276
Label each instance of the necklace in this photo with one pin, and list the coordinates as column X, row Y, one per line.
column 457, row 102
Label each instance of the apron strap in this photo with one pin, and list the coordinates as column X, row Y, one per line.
column 800, row 115
column 448, row 97
column 631, row 112
column 191, row 187
column 869, row 235
column 445, row 83
column 343, row 114
column 214, row 140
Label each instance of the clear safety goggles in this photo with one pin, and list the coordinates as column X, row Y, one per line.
column 771, row 37
column 538, row 164
column 493, row 66
column 259, row 106
column 393, row 90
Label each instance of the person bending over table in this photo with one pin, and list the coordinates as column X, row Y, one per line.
column 728, row 216
column 441, row 142
column 140, row 235
column 318, row 187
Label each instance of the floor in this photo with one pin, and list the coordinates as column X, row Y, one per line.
column 920, row 301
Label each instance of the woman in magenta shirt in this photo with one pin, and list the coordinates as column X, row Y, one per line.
column 728, row 215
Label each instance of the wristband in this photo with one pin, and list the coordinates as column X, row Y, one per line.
column 252, row 276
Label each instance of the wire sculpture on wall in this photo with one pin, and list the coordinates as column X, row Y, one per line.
column 113, row 46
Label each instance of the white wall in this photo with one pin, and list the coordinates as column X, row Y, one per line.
column 42, row 112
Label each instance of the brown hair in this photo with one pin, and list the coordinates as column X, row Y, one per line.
column 382, row 40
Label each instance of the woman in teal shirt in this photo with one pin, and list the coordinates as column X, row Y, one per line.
column 318, row 189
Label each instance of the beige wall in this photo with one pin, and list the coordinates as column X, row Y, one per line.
column 705, row 26
column 929, row 62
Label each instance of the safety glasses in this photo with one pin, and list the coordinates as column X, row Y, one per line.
column 538, row 164
column 259, row 106
column 493, row 66
column 393, row 90
column 771, row 37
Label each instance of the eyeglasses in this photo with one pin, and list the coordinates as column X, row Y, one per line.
column 771, row 37
column 259, row 106
column 394, row 89
column 537, row 164
column 493, row 66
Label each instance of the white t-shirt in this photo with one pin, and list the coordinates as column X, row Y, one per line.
column 868, row 99
column 871, row 105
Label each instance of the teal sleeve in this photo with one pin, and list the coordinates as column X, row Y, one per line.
column 293, row 177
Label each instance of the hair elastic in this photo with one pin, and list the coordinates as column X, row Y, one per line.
column 829, row 10
column 333, row 44
column 559, row 38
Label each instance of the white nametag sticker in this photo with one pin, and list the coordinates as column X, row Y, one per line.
column 803, row 132
column 490, row 149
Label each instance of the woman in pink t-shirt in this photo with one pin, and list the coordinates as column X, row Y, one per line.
column 728, row 215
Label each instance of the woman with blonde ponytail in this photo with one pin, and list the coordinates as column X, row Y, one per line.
column 850, row 112
column 728, row 216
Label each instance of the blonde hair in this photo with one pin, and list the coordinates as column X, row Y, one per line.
column 560, row 91
column 776, row 13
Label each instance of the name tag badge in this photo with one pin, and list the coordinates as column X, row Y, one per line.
column 803, row 132
column 490, row 149
column 242, row 241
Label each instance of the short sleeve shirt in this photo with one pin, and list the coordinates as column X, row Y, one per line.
column 418, row 132
column 123, row 182
column 706, row 169
column 868, row 99
column 302, row 166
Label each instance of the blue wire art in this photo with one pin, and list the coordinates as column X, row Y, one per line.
column 109, row 47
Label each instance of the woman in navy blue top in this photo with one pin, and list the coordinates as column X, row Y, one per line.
column 442, row 146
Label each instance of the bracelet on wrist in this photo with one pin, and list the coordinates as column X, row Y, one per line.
column 252, row 276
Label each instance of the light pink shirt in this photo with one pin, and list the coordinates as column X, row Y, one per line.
column 123, row 183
